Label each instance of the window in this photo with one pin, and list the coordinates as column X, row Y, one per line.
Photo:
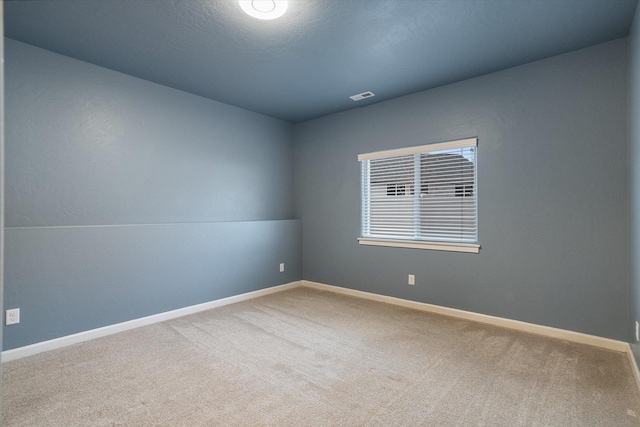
column 442, row 214
column 465, row 190
column 396, row 189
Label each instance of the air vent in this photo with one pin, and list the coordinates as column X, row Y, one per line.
column 362, row 95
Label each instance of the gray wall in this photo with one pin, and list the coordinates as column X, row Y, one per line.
column 126, row 198
column 87, row 145
column 552, row 193
column 634, row 179
column 1, row 168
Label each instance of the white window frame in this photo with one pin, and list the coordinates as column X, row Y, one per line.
column 415, row 242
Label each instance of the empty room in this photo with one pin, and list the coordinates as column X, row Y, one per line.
column 320, row 213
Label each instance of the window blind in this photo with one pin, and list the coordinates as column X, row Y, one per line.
column 421, row 194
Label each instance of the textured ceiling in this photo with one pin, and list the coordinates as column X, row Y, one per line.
column 307, row 63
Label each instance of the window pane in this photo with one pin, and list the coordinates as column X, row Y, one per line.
column 390, row 201
column 448, row 208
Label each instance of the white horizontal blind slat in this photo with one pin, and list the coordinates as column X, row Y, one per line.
column 426, row 193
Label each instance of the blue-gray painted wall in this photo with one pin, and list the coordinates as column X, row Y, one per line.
column 634, row 180
column 1, row 168
column 126, row 198
column 88, row 145
column 122, row 196
column 552, row 174
column 72, row 279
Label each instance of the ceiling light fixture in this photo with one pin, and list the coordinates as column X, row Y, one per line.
column 264, row 9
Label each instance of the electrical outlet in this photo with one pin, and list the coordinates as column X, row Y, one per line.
column 13, row 316
column 412, row 279
column 637, row 331
column 281, row 267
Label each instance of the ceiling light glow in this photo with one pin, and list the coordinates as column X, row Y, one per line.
column 264, row 9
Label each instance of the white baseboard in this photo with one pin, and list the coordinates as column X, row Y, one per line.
column 634, row 365
column 36, row 348
column 577, row 337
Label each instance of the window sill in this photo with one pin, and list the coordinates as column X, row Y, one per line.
column 452, row 247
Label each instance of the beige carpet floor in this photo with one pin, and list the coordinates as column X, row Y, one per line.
column 309, row 358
